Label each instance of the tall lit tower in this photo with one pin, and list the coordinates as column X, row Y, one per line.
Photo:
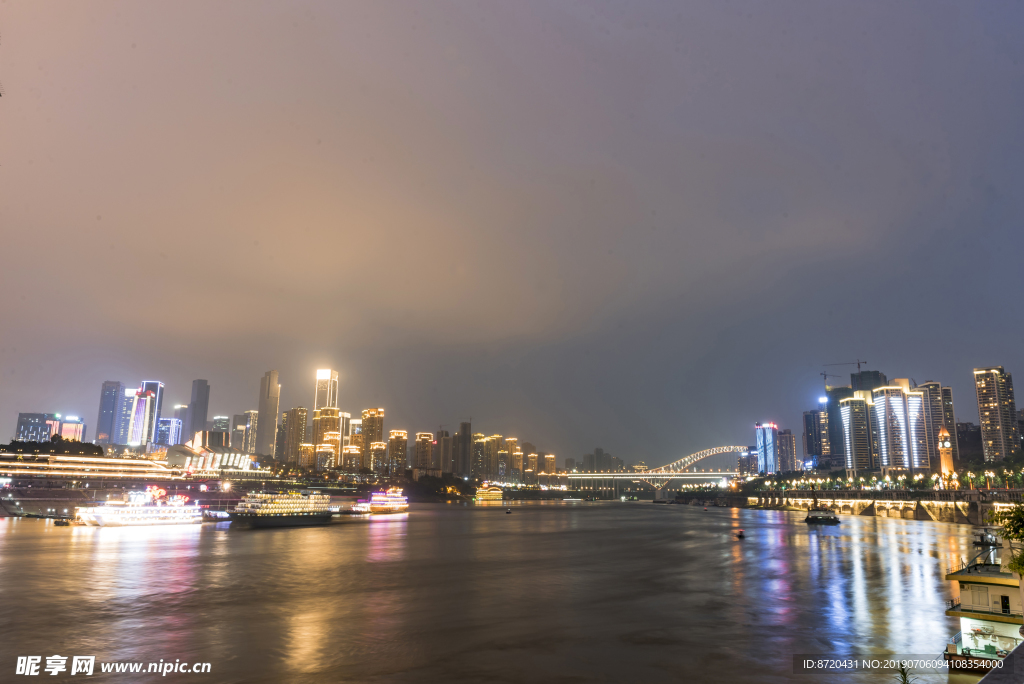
column 198, row 409
column 326, row 389
column 270, row 401
column 110, row 401
column 997, row 411
column 767, row 447
column 398, row 451
column 372, row 430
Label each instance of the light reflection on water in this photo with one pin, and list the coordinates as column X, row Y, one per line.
column 590, row 592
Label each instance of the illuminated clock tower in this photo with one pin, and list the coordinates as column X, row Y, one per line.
column 945, row 451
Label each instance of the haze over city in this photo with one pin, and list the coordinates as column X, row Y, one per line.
column 638, row 226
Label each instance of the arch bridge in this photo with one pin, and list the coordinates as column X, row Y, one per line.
column 659, row 477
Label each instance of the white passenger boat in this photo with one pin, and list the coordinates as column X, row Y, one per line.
column 149, row 507
column 390, row 501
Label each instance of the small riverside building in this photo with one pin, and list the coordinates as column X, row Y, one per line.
column 989, row 608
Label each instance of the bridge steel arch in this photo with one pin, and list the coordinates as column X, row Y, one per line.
column 687, row 461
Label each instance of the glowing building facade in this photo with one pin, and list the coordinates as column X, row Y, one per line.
column 767, row 448
column 997, row 411
column 326, row 389
column 423, row 456
column 398, row 451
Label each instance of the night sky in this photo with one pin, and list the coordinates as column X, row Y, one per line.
column 636, row 225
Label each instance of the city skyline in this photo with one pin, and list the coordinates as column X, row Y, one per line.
column 664, row 228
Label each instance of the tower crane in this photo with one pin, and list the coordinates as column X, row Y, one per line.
column 857, row 363
column 826, row 376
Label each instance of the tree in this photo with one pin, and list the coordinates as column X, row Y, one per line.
column 1012, row 523
column 903, row 676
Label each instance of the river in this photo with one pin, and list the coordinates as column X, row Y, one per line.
column 586, row 592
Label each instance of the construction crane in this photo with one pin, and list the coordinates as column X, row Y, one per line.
column 851, row 363
column 826, row 376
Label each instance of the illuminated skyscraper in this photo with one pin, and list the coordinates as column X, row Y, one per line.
column 252, row 423
column 424, row 450
column 270, row 401
column 997, row 411
column 141, row 427
column 111, row 396
column 835, row 424
column 352, row 458
column 787, row 451
column 168, row 431
column 295, row 433
column 181, row 413
column 198, row 409
column 900, row 422
column 815, row 434
column 123, row 420
column 156, row 388
column 37, row 427
column 398, row 451
column 378, row 457
column 237, row 433
column 767, row 448
column 326, row 389
column 220, row 424
column 856, row 414
column 327, row 428
column 372, row 431
column 933, row 413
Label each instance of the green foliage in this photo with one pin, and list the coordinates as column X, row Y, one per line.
column 903, row 676
column 1012, row 523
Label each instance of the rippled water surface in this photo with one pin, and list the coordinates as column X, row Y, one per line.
column 603, row 592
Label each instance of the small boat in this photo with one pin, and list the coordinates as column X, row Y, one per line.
column 739, row 534
column 820, row 517
column 508, row 512
column 62, row 522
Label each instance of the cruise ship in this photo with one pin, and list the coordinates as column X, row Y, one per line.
column 286, row 509
column 149, row 507
column 390, row 501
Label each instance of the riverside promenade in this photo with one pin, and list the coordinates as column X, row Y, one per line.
column 967, row 506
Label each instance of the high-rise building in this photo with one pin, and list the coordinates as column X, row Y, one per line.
column 815, row 434
column 72, row 427
column 479, row 457
column 934, row 420
column 444, row 452
column 424, row 450
column 968, row 439
column 295, row 433
column 997, row 411
column 857, row 433
column 787, row 451
column 549, row 464
column 145, row 413
column 281, row 440
column 899, row 420
column 270, row 402
column 237, row 433
column 252, row 423
column 111, row 396
column 372, row 431
column 37, row 427
column 181, row 413
column 327, row 428
column 326, row 389
column 949, row 421
column 398, row 451
column 464, row 450
column 378, row 457
column 198, row 409
column 220, row 424
column 123, row 420
column 345, row 425
column 867, row 381
column 570, row 465
column 352, row 458
column 767, row 448
column 837, row 455
column 168, row 431
column 307, row 456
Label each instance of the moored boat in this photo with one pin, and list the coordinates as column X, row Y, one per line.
column 149, row 507
column 390, row 501
column 819, row 517
column 285, row 509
